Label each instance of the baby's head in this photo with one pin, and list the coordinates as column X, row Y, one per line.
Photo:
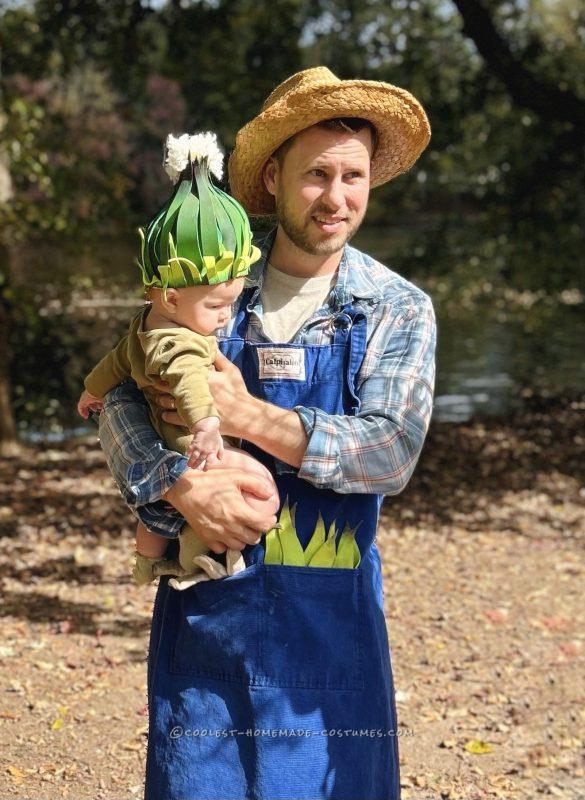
column 202, row 309
column 197, row 250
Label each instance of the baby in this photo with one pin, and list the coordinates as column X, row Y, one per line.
column 195, row 255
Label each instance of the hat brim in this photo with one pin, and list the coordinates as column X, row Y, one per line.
column 402, row 126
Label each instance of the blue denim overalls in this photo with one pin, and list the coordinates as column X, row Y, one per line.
column 275, row 683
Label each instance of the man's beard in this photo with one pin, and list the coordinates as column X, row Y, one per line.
column 300, row 237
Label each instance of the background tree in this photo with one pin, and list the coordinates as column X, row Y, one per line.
column 91, row 87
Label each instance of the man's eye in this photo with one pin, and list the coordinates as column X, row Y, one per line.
column 355, row 175
column 318, row 172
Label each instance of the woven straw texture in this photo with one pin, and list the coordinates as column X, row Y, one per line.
column 317, row 94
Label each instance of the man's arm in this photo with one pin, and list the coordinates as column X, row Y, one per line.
column 377, row 450
column 373, row 452
column 277, row 431
column 148, row 473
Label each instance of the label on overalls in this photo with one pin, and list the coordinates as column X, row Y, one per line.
column 279, row 362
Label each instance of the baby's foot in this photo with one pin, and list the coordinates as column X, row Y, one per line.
column 143, row 569
column 207, row 568
column 147, row 569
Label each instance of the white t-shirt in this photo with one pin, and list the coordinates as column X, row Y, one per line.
column 289, row 301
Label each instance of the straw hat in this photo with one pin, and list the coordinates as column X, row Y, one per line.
column 316, row 94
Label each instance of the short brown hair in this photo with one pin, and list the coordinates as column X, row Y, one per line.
column 345, row 124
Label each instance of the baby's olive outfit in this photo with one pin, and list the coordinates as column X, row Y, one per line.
column 179, row 356
column 183, row 358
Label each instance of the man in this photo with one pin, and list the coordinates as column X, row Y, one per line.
column 327, row 375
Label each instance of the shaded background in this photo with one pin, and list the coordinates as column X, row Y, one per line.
column 489, row 221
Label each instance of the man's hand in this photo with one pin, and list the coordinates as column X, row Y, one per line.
column 231, row 398
column 278, row 431
column 212, row 504
column 87, row 402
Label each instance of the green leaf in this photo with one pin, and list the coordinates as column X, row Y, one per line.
column 273, row 554
column 225, row 223
column 292, row 551
column 348, row 553
column 142, row 247
column 170, row 218
column 146, row 279
column 187, row 240
column 172, row 248
column 152, row 237
column 207, row 219
column 317, row 539
column 286, row 517
column 172, row 274
column 190, row 271
column 325, row 555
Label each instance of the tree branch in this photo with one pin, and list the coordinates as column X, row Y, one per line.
column 548, row 101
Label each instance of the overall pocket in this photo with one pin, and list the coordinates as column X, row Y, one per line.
column 218, row 628
column 311, row 635
column 274, row 625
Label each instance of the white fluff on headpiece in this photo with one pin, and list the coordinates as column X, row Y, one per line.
column 204, row 145
column 179, row 149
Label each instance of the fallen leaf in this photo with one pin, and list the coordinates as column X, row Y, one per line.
column 16, row 772
column 477, row 747
column 497, row 615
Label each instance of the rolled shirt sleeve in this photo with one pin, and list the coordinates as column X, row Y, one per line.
column 376, row 451
column 142, row 466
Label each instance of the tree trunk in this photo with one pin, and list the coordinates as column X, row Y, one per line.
column 8, row 435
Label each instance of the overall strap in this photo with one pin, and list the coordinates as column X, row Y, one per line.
column 241, row 321
column 351, row 331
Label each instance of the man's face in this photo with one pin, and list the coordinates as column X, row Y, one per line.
column 321, row 188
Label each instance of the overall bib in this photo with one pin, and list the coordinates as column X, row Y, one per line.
column 275, row 683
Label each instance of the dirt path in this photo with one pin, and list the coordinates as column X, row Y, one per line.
column 483, row 566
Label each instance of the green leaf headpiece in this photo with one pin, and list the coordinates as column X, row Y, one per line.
column 201, row 235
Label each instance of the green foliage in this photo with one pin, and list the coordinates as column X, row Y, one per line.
column 90, row 88
column 93, row 87
column 284, row 547
column 67, row 152
column 495, row 172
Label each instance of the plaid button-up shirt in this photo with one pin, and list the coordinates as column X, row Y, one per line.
column 375, row 451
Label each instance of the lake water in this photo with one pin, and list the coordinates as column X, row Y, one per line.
column 496, row 350
column 491, row 353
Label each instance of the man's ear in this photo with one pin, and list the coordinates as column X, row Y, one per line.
column 269, row 172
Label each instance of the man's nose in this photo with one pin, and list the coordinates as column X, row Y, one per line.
column 333, row 194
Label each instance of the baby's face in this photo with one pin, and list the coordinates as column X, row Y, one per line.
column 205, row 309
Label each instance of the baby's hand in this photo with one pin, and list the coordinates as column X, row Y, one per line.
column 207, row 444
column 87, row 402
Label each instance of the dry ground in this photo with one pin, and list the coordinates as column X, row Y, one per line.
column 483, row 562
